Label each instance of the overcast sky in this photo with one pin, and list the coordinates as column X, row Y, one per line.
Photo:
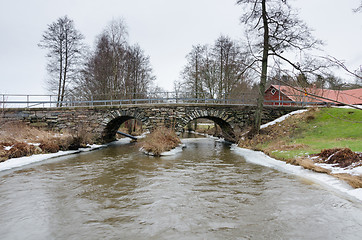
column 165, row 30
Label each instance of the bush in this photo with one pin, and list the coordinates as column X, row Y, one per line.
column 160, row 140
column 49, row 147
column 20, row 150
column 309, row 118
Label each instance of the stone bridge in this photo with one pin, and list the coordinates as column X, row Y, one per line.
column 104, row 121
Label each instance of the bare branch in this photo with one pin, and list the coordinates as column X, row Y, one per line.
column 342, row 65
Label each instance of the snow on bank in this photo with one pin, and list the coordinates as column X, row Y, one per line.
column 348, row 107
column 323, row 179
column 282, row 118
column 22, row 161
column 335, row 169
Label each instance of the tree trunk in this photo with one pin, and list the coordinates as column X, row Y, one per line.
column 65, row 70
column 264, row 71
column 60, row 74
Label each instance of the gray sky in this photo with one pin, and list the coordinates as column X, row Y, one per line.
column 165, row 30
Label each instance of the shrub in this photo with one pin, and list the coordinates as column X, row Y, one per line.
column 49, row 147
column 309, row 118
column 160, row 140
column 20, row 150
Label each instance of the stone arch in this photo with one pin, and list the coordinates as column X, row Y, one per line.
column 219, row 117
column 114, row 119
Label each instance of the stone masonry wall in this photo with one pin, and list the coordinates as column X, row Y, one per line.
column 104, row 121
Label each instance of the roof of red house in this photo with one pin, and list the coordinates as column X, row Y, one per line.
column 353, row 96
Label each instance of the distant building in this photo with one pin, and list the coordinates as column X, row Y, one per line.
column 285, row 95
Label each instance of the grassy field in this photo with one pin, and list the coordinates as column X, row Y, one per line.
column 312, row 132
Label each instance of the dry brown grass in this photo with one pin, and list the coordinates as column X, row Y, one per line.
column 273, row 134
column 21, row 149
column 18, row 135
column 308, row 163
column 159, row 141
column 13, row 132
column 354, row 181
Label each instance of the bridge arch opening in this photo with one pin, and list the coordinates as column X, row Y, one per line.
column 126, row 124
column 227, row 131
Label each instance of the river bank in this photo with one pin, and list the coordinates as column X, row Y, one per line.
column 302, row 138
column 18, row 139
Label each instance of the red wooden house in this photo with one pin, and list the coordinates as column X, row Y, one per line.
column 285, row 95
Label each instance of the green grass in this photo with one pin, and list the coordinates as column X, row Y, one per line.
column 330, row 128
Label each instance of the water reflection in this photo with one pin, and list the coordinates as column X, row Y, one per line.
column 205, row 192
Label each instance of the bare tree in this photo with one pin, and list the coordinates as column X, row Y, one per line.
column 217, row 71
column 139, row 72
column 341, row 64
column 358, row 9
column 192, row 71
column 65, row 45
column 117, row 35
column 273, row 29
column 231, row 66
column 115, row 70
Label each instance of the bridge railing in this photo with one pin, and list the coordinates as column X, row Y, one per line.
column 51, row 101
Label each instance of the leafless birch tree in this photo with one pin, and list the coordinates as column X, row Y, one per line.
column 64, row 45
column 115, row 70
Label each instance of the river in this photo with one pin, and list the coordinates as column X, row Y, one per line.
column 205, row 192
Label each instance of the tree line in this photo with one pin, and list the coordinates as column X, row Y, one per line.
column 216, row 71
column 113, row 70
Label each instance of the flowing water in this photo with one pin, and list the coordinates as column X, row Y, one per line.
column 205, row 192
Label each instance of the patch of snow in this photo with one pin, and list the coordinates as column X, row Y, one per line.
column 121, row 141
column 335, row 169
column 323, row 179
column 205, row 124
column 34, row 144
column 282, row 118
column 22, row 161
column 172, row 152
column 359, row 106
column 7, row 148
column 143, row 135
